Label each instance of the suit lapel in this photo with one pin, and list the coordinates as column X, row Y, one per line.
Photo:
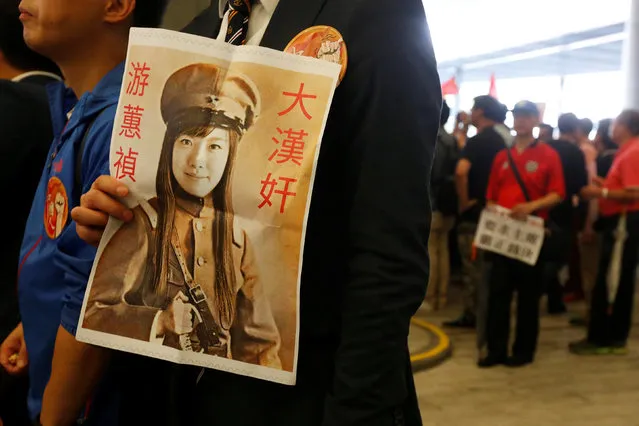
column 207, row 23
column 290, row 18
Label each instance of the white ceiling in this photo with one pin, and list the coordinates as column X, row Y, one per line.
column 461, row 28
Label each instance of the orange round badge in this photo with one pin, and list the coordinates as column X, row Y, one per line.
column 56, row 208
column 321, row 42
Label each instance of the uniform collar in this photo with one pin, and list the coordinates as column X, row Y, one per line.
column 63, row 100
column 269, row 6
column 623, row 148
column 26, row 75
column 532, row 145
column 197, row 207
column 514, row 149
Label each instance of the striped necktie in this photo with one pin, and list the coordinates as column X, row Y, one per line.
column 239, row 12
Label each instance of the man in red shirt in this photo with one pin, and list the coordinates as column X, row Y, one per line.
column 541, row 174
column 618, row 194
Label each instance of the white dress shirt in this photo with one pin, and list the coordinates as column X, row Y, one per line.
column 258, row 21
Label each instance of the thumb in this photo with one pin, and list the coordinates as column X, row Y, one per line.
column 181, row 296
column 196, row 313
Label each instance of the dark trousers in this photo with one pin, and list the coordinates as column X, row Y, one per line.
column 13, row 400
column 574, row 286
column 13, row 390
column 612, row 328
column 163, row 394
column 507, row 276
column 553, row 287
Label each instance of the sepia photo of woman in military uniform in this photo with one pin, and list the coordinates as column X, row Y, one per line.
column 182, row 273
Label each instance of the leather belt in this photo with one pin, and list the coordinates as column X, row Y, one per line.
column 198, row 298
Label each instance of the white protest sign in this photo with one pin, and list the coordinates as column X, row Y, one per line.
column 499, row 233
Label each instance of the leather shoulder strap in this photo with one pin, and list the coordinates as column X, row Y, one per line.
column 518, row 178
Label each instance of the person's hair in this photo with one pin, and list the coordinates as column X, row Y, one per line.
column 603, row 131
column 547, row 127
column 500, row 117
column 196, row 122
column 149, row 13
column 492, row 109
column 586, row 125
column 630, row 120
column 12, row 44
column 445, row 115
column 568, row 123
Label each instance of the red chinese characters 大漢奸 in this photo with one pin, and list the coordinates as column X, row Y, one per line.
column 291, row 146
column 131, row 122
column 269, row 185
column 299, row 99
column 125, row 165
column 139, row 74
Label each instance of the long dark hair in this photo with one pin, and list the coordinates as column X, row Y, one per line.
column 603, row 131
column 196, row 122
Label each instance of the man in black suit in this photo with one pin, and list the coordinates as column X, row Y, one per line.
column 26, row 137
column 365, row 258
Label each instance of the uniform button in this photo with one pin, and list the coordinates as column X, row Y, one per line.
column 198, row 226
column 200, row 261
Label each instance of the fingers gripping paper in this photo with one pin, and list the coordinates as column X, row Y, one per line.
column 218, row 145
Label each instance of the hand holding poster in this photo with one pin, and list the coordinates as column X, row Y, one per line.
column 218, row 145
column 499, row 233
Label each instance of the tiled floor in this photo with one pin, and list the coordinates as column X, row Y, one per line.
column 559, row 389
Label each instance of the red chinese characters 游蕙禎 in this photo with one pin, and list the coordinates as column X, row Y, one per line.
column 139, row 74
column 125, row 164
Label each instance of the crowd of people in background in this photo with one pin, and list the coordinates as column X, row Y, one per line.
column 587, row 192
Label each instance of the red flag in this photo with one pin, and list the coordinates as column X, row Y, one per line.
column 450, row 87
column 493, row 86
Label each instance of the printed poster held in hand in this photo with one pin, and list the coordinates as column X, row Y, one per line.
column 219, row 146
column 499, row 233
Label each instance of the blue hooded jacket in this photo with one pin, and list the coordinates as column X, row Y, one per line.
column 55, row 263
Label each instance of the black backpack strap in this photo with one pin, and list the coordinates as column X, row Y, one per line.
column 518, row 178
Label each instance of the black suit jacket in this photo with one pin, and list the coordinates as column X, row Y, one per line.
column 365, row 258
column 26, row 137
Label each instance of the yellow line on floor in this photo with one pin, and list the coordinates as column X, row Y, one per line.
column 444, row 341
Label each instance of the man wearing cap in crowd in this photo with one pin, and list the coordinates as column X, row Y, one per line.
column 473, row 171
column 366, row 249
column 541, row 188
